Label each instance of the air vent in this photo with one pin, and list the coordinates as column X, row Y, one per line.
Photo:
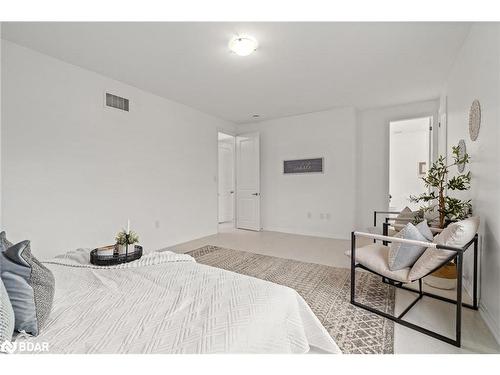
column 117, row 102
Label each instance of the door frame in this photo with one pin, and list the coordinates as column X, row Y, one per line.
column 433, row 119
column 232, row 134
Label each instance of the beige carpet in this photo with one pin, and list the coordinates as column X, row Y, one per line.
column 326, row 290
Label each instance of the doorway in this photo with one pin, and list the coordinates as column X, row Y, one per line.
column 410, row 155
column 248, row 181
column 226, row 181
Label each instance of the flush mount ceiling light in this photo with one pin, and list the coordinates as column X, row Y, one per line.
column 243, row 45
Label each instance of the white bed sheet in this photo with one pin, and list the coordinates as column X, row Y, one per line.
column 167, row 303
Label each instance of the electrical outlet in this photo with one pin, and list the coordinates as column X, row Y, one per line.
column 328, row 216
column 309, row 215
column 321, row 216
column 157, row 224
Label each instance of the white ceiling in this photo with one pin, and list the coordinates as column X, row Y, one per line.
column 298, row 68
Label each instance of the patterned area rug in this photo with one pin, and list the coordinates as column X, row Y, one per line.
column 326, row 290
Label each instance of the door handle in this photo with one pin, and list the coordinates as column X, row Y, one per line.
column 231, row 192
column 256, row 194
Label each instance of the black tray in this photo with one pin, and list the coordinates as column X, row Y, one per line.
column 134, row 253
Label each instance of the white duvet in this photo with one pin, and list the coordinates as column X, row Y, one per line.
column 167, row 303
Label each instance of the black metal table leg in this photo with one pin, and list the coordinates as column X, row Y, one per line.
column 474, row 291
column 458, row 327
column 385, row 231
column 353, row 267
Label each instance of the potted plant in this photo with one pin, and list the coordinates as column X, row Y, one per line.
column 437, row 199
column 124, row 238
column 449, row 209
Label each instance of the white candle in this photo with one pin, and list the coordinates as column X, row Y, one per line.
column 128, row 226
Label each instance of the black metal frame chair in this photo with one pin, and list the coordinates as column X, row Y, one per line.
column 457, row 257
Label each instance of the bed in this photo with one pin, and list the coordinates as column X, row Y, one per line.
column 167, row 303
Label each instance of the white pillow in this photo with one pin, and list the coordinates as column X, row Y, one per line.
column 432, row 218
column 425, row 231
column 457, row 235
column 403, row 255
column 405, row 216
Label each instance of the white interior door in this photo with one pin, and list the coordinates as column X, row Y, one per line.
column 226, row 180
column 248, row 181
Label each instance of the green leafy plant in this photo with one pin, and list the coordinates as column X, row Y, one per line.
column 436, row 179
column 122, row 238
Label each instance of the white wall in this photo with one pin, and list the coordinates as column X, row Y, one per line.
column 372, row 156
column 73, row 171
column 476, row 75
column 0, row 125
column 311, row 204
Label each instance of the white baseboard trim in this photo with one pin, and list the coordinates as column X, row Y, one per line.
column 184, row 240
column 490, row 322
column 307, row 233
column 483, row 311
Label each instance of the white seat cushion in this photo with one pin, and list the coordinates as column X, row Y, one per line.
column 376, row 258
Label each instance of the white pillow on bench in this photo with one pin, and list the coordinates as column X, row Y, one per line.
column 402, row 255
column 457, row 235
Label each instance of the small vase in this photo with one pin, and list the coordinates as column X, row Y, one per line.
column 122, row 249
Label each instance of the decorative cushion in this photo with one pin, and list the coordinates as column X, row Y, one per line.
column 405, row 216
column 425, row 231
column 403, row 255
column 30, row 286
column 375, row 257
column 457, row 234
column 6, row 316
column 4, row 242
column 432, row 218
column 423, row 228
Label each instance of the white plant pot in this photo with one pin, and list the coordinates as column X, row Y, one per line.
column 122, row 249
